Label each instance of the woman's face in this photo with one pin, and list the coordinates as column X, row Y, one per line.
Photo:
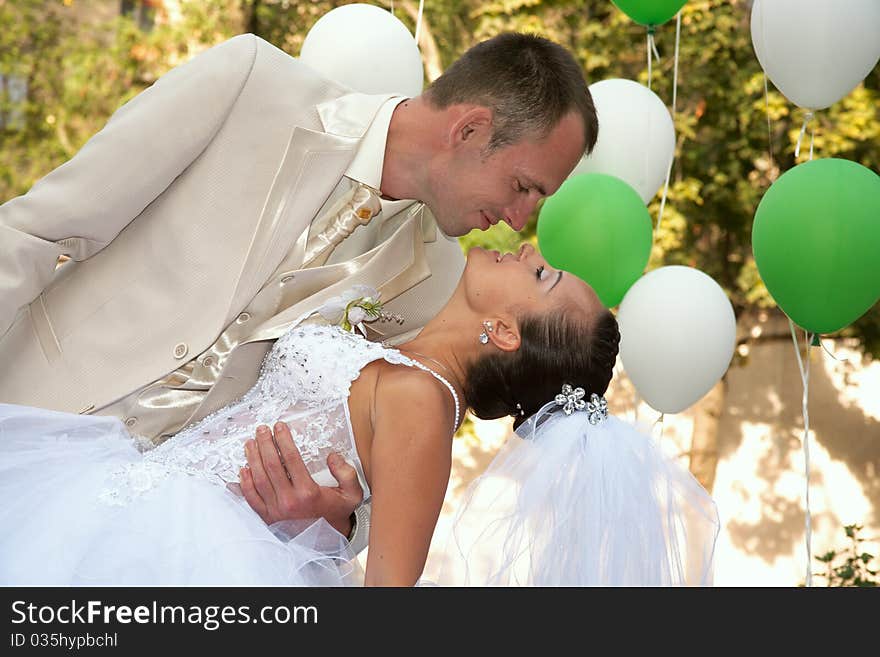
column 513, row 284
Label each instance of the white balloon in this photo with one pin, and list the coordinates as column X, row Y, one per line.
column 365, row 48
column 636, row 136
column 816, row 51
column 677, row 336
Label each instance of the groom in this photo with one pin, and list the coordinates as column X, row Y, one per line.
column 240, row 191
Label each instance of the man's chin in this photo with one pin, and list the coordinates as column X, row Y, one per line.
column 453, row 225
column 457, row 229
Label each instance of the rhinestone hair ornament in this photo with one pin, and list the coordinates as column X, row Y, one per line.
column 569, row 400
column 573, row 400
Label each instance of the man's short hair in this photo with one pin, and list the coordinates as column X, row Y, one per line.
column 529, row 83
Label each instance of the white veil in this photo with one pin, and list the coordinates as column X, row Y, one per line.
column 581, row 499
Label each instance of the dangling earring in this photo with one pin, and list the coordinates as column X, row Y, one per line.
column 484, row 336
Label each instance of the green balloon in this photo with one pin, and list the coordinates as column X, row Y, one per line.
column 597, row 227
column 816, row 240
column 650, row 12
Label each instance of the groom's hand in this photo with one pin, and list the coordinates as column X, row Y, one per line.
column 275, row 496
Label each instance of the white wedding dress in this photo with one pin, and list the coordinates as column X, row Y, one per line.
column 82, row 506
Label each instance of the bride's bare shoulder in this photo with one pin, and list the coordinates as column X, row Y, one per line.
column 414, row 397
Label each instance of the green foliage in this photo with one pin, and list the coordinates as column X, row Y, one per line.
column 80, row 71
column 849, row 566
column 81, row 63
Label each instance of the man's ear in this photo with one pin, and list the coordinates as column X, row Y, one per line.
column 473, row 123
column 504, row 334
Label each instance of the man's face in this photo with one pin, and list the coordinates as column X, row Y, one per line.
column 474, row 190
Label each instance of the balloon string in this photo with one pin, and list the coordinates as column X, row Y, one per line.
column 675, row 63
column 805, row 379
column 794, row 337
column 769, row 129
column 839, row 360
column 674, row 98
column 652, row 49
column 419, row 19
column 797, row 150
column 660, row 421
column 812, row 131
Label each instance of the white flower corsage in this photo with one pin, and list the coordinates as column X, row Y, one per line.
column 355, row 306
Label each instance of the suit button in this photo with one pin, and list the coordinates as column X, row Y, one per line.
column 130, row 421
column 287, row 279
column 180, row 350
column 243, row 318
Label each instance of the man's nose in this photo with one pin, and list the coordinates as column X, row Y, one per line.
column 519, row 214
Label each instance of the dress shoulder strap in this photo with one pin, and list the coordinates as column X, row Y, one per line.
column 406, row 360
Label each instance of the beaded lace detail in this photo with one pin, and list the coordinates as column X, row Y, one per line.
column 305, row 381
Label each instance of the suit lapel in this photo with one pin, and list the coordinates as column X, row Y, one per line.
column 312, row 166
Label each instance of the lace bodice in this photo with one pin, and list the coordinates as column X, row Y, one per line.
column 305, row 381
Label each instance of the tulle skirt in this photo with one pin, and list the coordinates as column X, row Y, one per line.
column 56, row 528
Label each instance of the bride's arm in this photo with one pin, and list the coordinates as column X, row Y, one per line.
column 410, row 460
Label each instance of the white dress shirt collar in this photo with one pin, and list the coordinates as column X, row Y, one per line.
column 365, row 117
column 366, row 167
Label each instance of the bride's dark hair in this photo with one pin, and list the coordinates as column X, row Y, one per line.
column 555, row 348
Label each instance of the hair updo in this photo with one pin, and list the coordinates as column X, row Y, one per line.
column 555, row 348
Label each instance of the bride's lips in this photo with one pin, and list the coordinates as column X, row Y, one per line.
column 485, row 219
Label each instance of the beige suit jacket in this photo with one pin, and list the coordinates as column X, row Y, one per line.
column 175, row 216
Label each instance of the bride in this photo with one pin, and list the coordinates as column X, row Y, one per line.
column 595, row 504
